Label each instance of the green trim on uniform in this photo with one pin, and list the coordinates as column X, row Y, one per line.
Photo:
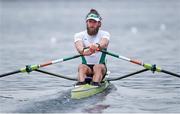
column 102, row 59
column 83, row 60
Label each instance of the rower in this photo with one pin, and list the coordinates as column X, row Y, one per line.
column 87, row 43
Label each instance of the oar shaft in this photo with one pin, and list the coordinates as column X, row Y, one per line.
column 30, row 68
column 123, row 58
column 59, row 60
column 115, row 55
column 57, row 75
column 10, row 73
column 171, row 73
column 147, row 66
column 128, row 75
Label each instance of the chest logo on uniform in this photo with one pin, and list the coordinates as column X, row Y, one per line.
column 85, row 39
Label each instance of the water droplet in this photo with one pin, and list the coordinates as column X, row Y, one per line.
column 53, row 40
column 134, row 30
column 162, row 27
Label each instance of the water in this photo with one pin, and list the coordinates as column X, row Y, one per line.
column 34, row 32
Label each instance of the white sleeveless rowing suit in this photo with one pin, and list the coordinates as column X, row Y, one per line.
column 98, row 57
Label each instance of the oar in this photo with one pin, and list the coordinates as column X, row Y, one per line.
column 127, row 75
column 57, row 75
column 147, row 66
column 30, row 68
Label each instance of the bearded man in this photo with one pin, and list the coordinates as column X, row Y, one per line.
column 93, row 68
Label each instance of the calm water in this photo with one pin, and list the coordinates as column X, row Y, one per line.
column 34, row 32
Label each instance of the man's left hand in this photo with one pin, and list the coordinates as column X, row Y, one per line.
column 94, row 47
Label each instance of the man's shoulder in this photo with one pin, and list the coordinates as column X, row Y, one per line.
column 104, row 32
column 79, row 35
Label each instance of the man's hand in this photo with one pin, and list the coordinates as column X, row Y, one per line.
column 94, row 47
column 87, row 52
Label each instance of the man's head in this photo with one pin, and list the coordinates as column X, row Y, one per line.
column 93, row 22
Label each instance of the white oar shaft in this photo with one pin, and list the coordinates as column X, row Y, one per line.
column 124, row 58
column 57, row 61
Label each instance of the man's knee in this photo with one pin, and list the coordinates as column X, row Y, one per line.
column 99, row 67
column 81, row 67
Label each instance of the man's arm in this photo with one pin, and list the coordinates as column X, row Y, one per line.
column 81, row 49
column 103, row 43
column 79, row 46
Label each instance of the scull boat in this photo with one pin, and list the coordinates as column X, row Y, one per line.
column 88, row 90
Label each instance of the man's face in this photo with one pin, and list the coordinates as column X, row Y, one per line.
column 93, row 26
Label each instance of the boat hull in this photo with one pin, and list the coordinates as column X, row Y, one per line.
column 88, row 90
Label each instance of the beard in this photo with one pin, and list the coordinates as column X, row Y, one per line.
column 92, row 31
